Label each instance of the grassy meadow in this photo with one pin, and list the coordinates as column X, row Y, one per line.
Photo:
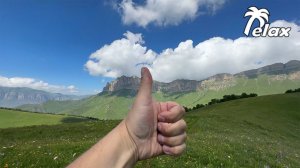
column 14, row 118
column 254, row 132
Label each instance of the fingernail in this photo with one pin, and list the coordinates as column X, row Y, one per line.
column 143, row 71
column 167, row 151
column 161, row 118
column 160, row 138
column 158, row 126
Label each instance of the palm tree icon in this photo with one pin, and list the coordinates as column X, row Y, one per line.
column 261, row 14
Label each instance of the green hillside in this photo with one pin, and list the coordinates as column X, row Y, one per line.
column 14, row 118
column 116, row 105
column 254, row 132
column 262, row 85
column 102, row 107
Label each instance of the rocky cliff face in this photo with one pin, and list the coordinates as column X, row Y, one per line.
column 216, row 82
column 132, row 83
column 278, row 71
column 176, row 86
column 123, row 82
column 12, row 97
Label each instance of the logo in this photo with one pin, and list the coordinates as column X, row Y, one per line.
column 264, row 29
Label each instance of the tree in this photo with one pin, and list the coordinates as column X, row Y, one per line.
column 199, row 106
column 252, row 95
column 214, row 101
column 293, row 91
column 186, row 109
column 297, row 90
column 289, row 91
column 261, row 14
column 244, row 95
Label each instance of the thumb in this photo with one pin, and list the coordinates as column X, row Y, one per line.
column 145, row 91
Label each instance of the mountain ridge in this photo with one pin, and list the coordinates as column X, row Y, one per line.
column 16, row 96
column 220, row 81
column 273, row 69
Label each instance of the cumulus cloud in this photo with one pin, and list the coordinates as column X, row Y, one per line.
column 121, row 57
column 36, row 84
column 195, row 62
column 165, row 12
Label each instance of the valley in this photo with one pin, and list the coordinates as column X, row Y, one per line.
column 254, row 132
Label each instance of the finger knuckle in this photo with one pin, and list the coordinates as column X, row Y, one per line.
column 167, row 129
column 182, row 109
column 178, row 150
column 169, row 141
column 179, row 140
column 173, row 118
column 183, row 125
column 181, row 112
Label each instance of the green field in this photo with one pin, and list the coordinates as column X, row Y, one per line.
column 13, row 118
column 255, row 132
column 116, row 105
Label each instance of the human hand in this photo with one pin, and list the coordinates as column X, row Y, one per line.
column 150, row 129
column 155, row 128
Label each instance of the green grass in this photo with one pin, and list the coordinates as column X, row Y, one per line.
column 37, row 146
column 254, row 132
column 13, row 118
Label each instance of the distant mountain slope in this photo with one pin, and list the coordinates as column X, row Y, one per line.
column 117, row 97
column 274, row 69
column 14, row 118
column 16, row 96
column 220, row 81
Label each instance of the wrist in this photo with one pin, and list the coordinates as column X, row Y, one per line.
column 129, row 150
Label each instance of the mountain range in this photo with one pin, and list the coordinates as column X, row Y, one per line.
column 16, row 96
column 289, row 70
column 117, row 96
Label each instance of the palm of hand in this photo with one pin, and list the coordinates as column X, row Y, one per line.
column 145, row 119
column 144, row 131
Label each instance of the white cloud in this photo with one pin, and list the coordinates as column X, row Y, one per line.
column 165, row 12
column 36, row 84
column 121, row 57
column 215, row 55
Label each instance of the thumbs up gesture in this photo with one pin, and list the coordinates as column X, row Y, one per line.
column 150, row 129
column 155, row 127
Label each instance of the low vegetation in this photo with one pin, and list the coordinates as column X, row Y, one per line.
column 293, row 91
column 251, row 132
column 224, row 99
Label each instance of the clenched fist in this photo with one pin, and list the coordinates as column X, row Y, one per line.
column 150, row 129
column 155, row 127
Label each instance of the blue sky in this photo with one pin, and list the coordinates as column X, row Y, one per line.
column 51, row 40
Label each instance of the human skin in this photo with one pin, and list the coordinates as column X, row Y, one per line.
column 150, row 129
